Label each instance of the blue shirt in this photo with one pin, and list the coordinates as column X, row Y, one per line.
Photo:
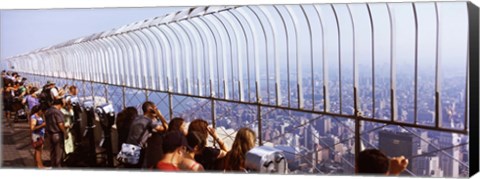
column 31, row 101
column 40, row 121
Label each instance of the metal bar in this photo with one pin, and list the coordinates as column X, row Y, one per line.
column 239, row 58
column 208, row 61
column 467, row 75
column 136, row 56
column 288, row 54
column 157, row 81
column 224, row 62
column 124, row 100
column 103, row 58
column 106, row 93
column 393, row 103
column 372, row 33
column 278, row 96
column 170, row 106
column 355, row 69
column 357, row 141
column 326, row 98
column 438, row 115
column 203, row 39
column 92, row 91
column 143, row 58
column 311, row 56
column 116, row 66
column 83, row 55
column 266, row 58
column 125, row 72
column 164, row 65
column 168, row 61
column 257, row 55
column 472, row 90
column 106, row 62
column 247, row 54
column 214, row 115
column 186, row 63
column 298, row 63
column 339, row 59
column 216, row 58
column 355, row 96
column 148, row 64
column 90, row 56
column 238, row 46
column 101, row 74
column 221, row 75
column 195, row 63
column 415, row 94
column 259, row 118
column 146, row 94
column 113, row 64
column 96, row 57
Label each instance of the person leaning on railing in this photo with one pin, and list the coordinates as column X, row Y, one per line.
column 373, row 161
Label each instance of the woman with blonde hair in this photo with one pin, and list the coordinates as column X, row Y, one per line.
column 235, row 158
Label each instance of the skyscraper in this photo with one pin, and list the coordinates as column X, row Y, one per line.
column 395, row 144
column 449, row 166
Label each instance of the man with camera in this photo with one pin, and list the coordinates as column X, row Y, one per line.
column 143, row 126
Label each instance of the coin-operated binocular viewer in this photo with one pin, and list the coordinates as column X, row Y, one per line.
column 88, row 107
column 77, row 109
column 264, row 159
column 106, row 113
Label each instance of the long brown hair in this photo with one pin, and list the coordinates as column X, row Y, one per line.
column 199, row 125
column 244, row 141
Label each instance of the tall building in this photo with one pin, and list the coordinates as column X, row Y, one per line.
column 329, row 142
column 450, row 167
column 427, row 166
column 395, row 144
column 324, row 126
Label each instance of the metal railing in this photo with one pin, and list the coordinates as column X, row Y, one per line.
column 307, row 58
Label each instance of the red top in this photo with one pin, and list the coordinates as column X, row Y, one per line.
column 166, row 167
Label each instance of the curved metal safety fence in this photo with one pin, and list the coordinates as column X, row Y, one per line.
column 335, row 74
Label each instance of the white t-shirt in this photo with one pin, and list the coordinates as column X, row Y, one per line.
column 72, row 99
column 54, row 93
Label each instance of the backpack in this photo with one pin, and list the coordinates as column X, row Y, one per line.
column 45, row 97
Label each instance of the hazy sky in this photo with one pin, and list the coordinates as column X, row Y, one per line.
column 26, row 30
